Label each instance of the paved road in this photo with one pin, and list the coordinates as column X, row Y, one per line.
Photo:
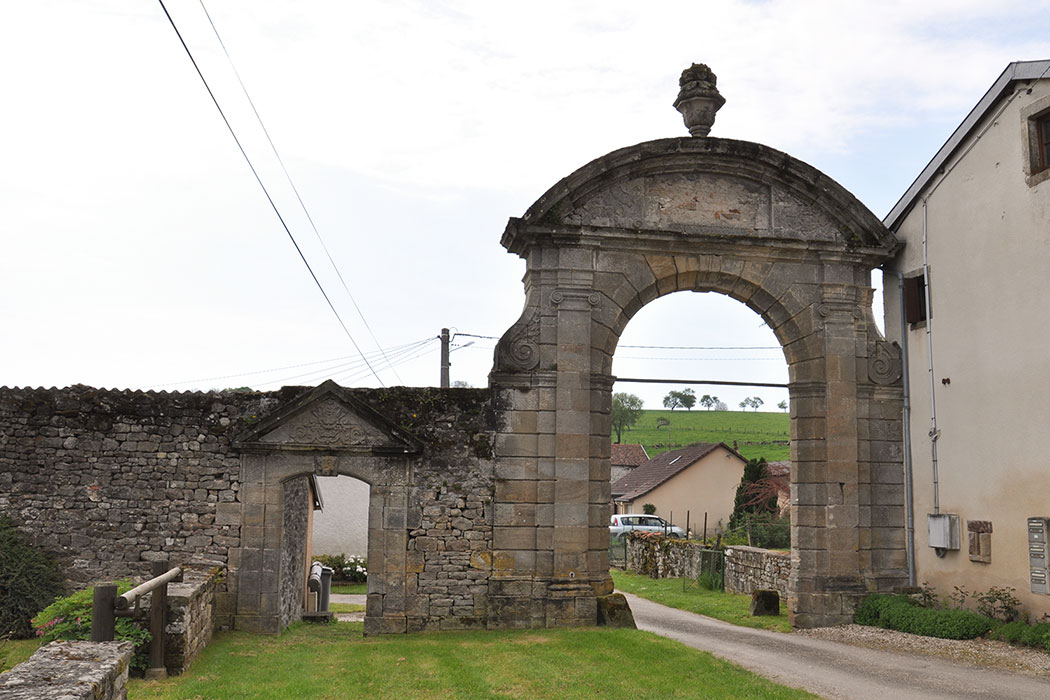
column 832, row 670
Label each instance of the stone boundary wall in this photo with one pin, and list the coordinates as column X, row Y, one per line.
column 110, row 480
column 657, row 556
column 71, row 671
column 748, row 568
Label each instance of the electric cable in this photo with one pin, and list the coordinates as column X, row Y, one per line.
column 288, row 176
column 266, row 192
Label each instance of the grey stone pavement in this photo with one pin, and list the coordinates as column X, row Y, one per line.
column 834, row 670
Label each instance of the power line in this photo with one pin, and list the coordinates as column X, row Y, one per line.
column 251, row 373
column 662, row 347
column 343, row 369
column 702, row 359
column 288, row 176
column 703, row 347
column 265, row 191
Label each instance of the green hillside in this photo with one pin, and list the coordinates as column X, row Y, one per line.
column 758, row 434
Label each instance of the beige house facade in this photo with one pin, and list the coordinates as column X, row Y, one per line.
column 965, row 300
column 686, row 486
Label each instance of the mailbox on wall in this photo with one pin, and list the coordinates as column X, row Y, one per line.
column 1037, row 555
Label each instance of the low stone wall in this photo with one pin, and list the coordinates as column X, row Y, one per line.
column 191, row 619
column 71, row 671
column 664, row 557
column 748, row 568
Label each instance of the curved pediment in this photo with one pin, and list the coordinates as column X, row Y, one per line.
column 328, row 418
column 705, row 187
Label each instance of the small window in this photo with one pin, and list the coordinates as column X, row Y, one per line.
column 915, row 299
column 1035, row 119
column 1042, row 134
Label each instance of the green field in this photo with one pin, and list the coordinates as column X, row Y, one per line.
column 757, row 433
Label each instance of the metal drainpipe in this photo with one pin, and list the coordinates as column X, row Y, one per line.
column 909, row 498
column 934, row 432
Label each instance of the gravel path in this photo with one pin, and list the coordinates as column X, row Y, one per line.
column 826, row 666
column 977, row 652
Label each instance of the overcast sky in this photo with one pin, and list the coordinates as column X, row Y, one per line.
column 139, row 251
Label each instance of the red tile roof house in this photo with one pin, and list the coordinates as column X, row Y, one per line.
column 625, row 459
column 687, row 483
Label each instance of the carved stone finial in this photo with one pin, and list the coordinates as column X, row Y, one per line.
column 698, row 99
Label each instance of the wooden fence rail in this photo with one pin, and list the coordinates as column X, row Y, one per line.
column 107, row 606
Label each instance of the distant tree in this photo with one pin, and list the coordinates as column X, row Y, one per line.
column 783, row 405
column 746, row 504
column 756, row 402
column 460, row 384
column 720, row 405
column 708, row 401
column 673, row 400
column 625, row 411
column 661, row 422
column 687, row 398
column 745, row 403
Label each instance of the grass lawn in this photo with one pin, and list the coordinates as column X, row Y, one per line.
column 728, row 607
column 335, row 661
column 350, row 588
column 345, row 607
column 749, row 428
column 15, row 651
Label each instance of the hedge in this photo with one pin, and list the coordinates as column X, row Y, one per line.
column 898, row 612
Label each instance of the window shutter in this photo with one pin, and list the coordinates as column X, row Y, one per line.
column 914, row 299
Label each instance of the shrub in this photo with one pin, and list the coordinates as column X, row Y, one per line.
column 999, row 603
column 1037, row 635
column 346, row 569
column 29, row 581
column 648, row 509
column 70, row 618
column 897, row 612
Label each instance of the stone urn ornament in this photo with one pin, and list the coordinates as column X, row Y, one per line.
column 698, row 99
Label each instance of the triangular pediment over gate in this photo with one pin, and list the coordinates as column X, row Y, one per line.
column 328, row 418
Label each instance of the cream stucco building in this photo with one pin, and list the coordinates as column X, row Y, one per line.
column 976, row 228
column 685, row 485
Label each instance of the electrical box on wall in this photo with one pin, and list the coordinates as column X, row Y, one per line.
column 943, row 530
column 1037, row 555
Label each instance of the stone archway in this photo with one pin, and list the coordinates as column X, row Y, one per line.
column 326, row 432
column 698, row 214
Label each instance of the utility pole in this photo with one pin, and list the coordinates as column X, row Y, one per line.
column 444, row 358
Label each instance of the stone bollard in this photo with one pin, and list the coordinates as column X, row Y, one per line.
column 765, row 602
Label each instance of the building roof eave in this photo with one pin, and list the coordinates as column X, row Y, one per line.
column 1016, row 71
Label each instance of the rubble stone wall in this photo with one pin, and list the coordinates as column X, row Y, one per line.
column 191, row 619
column 657, row 556
column 110, row 480
column 71, row 671
column 749, row 568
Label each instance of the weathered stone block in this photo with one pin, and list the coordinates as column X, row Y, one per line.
column 765, row 602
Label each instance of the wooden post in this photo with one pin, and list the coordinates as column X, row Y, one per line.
column 157, row 623
column 705, row 528
column 103, row 621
